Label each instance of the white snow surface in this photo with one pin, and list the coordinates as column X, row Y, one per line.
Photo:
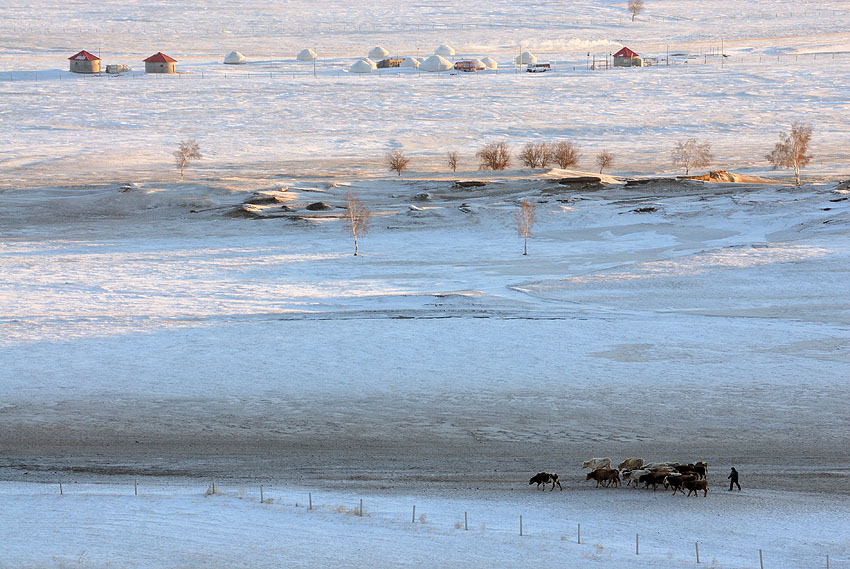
column 164, row 331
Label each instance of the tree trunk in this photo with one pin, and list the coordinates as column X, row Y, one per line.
column 796, row 173
column 354, row 233
column 525, row 246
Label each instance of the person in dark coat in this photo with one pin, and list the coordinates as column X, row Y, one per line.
column 733, row 479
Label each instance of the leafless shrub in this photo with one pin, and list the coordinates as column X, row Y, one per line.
column 358, row 218
column 187, row 151
column 494, row 156
column 396, row 160
column 792, row 149
column 525, row 214
column 604, row 159
column 635, row 7
column 451, row 160
column 565, row 154
column 537, row 154
column 692, row 154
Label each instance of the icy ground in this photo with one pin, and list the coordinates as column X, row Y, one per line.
column 151, row 330
column 149, row 334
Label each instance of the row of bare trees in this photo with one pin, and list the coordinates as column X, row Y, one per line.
column 498, row 156
column 792, row 151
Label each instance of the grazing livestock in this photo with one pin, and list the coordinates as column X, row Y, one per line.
column 544, row 478
column 695, row 486
column 596, row 463
column 676, row 482
column 655, row 478
column 634, row 476
column 631, row 464
column 606, row 476
column 699, row 469
column 655, row 466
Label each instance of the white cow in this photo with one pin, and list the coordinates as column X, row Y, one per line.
column 596, row 463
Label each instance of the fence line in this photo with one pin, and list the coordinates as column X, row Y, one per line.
column 215, row 489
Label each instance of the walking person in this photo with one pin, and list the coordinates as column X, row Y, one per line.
column 733, row 479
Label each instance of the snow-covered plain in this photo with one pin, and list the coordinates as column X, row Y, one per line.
column 150, row 334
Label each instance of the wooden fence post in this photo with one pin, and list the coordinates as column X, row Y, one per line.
column 579, row 534
column 466, row 527
column 361, row 508
column 310, row 497
column 761, row 560
column 261, row 494
column 696, row 544
column 520, row 524
column 414, row 514
column 61, row 492
column 637, row 544
column 135, row 488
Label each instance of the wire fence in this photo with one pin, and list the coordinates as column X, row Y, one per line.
column 446, row 517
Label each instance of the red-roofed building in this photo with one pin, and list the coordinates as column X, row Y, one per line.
column 84, row 62
column 160, row 63
column 627, row 58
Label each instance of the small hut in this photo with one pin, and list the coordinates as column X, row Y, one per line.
column 411, row 62
column 490, row 63
column 436, row 63
column 444, row 51
column 84, row 62
column 525, row 58
column 234, row 58
column 160, row 63
column 627, row 58
column 378, row 53
column 365, row 65
column 306, row 54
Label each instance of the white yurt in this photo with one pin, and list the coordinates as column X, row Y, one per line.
column 363, row 66
column 490, row 63
column 378, row 53
column 445, row 51
column 526, row 57
column 436, row 63
column 479, row 65
column 306, row 55
column 409, row 62
column 234, row 58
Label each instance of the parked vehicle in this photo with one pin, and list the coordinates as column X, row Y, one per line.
column 469, row 65
column 539, row 67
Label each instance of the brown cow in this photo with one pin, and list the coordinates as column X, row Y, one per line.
column 697, row 485
column 676, row 482
column 654, row 478
column 605, row 475
column 544, row 478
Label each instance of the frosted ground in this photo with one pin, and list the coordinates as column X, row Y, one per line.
column 148, row 334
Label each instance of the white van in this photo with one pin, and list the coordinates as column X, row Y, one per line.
column 539, row 67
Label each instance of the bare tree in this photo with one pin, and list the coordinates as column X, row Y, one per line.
column 565, row 154
column 494, row 156
column 604, row 159
column 187, row 151
column 525, row 218
column 358, row 218
column 537, row 154
column 396, row 160
column 792, row 149
column 451, row 159
column 635, row 7
column 692, row 154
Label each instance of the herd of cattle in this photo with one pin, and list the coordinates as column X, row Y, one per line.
column 676, row 475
